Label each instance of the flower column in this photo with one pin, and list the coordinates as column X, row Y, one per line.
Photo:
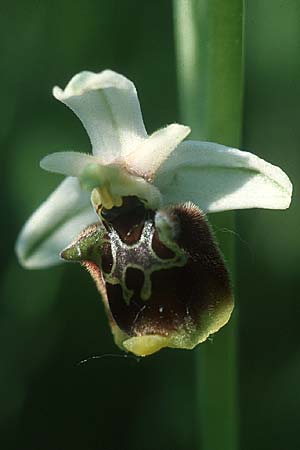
column 209, row 40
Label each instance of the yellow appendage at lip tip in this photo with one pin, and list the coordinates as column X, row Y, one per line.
column 145, row 345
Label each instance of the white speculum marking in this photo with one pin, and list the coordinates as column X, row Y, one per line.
column 139, row 256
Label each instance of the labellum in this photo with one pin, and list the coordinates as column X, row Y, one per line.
column 160, row 274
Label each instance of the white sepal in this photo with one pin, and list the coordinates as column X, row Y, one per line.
column 108, row 106
column 54, row 225
column 220, row 178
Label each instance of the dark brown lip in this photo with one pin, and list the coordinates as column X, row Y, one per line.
column 154, row 283
column 179, row 295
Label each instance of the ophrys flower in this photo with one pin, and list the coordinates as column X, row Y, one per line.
column 152, row 255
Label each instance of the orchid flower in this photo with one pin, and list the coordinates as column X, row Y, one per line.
column 132, row 213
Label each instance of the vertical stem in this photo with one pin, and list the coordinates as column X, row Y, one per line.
column 209, row 44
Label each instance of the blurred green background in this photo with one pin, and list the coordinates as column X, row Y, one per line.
column 52, row 319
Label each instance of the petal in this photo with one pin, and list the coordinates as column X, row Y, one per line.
column 67, row 163
column 146, row 159
column 91, row 174
column 54, row 225
column 108, row 106
column 219, row 178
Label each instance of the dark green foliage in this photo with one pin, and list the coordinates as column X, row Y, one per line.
column 50, row 320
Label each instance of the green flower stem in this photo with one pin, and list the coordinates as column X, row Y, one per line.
column 209, row 44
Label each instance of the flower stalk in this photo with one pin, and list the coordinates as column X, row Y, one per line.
column 209, row 43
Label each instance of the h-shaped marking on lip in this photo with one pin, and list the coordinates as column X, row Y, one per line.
column 139, row 255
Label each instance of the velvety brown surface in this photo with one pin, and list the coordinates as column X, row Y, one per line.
column 127, row 219
column 179, row 294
